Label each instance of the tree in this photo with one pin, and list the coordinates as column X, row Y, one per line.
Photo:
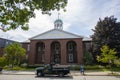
column 88, row 59
column 107, row 32
column 14, row 53
column 117, row 62
column 2, row 61
column 16, row 13
column 107, row 55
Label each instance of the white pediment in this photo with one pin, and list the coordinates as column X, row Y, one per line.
column 56, row 34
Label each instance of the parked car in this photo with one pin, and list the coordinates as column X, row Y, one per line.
column 52, row 69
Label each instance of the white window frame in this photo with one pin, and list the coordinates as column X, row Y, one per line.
column 70, row 46
column 43, row 57
column 57, row 47
column 70, row 57
column 39, row 48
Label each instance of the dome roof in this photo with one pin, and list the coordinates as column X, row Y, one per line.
column 58, row 20
column 58, row 24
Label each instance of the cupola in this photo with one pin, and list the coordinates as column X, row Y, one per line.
column 58, row 24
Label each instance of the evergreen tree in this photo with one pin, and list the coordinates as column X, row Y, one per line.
column 16, row 13
column 107, row 32
column 88, row 58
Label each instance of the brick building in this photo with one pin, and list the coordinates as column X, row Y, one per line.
column 56, row 46
column 4, row 43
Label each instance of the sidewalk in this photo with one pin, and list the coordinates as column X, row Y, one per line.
column 72, row 73
column 94, row 73
column 18, row 72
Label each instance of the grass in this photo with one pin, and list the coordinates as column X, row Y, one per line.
column 22, row 68
column 17, row 68
column 95, row 68
column 76, row 67
column 114, row 74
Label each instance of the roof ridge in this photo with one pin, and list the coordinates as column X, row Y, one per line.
column 60, row 31
column 42, row 33
column 72, row 33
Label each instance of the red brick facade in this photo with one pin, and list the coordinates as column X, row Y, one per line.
column 63, row 50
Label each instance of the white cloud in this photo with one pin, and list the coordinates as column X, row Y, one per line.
column 82, row 14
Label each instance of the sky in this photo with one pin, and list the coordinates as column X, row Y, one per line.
column 80, row 18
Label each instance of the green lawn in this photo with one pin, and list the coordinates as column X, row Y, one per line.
column 96, row 68
column 76, row 67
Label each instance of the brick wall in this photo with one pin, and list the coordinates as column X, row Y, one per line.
column 63, row 43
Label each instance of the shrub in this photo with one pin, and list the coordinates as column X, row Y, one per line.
column 14, row 68
column 93, row 67
column 88, row 58
column 117, row 62
column 35, row 66
column 2, row 61
column 75, row 67
column 17, row 68
column 24, row 65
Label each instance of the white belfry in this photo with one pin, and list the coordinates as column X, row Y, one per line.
column 58, row 24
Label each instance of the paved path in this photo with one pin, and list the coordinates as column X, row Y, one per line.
column 18, row 72
column 32, row 77
column 73, row 73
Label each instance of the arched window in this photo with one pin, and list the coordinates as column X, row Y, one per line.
column 70, row 46
column 40, row 52
column 55, row 52
column 71, row 52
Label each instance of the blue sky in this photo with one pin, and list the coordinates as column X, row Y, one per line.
column 81, row 16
